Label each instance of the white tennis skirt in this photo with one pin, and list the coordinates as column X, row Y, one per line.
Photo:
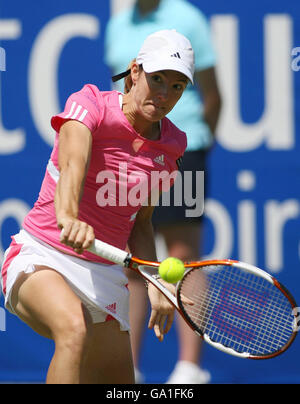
column 102, row 288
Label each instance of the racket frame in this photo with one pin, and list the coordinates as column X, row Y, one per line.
column 125, row 259
column 253, row 270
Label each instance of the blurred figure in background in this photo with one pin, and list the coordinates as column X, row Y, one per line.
column 196, row 114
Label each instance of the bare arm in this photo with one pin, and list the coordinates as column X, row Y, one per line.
column 141, row 244
column 207, row 83
column 141, row 241
column 75, row 141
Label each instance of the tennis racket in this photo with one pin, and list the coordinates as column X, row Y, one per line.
column 237, row 308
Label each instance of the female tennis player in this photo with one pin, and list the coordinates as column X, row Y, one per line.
column 106, row 148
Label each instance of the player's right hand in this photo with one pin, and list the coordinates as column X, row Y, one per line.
column 77, row 234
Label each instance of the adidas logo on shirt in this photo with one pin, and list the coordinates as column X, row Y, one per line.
column 160, row 160
column 112, row 308
column 176, row 55
column 76, row 112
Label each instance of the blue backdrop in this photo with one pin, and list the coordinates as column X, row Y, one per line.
column 253, row 210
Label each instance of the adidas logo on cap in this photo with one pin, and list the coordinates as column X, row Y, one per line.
column 176, row 55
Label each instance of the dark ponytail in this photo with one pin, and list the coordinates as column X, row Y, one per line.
column 128, row 80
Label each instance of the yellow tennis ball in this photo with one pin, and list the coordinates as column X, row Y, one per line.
column 171, row 270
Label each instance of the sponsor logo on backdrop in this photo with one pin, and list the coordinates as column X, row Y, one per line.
column 233, row 222
column 296, row 61
column 2, row 319
column 2, row 60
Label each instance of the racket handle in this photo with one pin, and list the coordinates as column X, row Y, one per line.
column 109, row 252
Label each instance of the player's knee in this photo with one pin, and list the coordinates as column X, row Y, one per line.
column 75, row 334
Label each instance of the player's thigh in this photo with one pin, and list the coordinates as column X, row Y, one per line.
column 45, row 301
column 109, row 359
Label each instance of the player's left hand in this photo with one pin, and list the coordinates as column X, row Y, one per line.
column 162, row 313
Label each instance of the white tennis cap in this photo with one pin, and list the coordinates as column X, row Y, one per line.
column 167, row 50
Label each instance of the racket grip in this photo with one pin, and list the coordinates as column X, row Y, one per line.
column 109, row 252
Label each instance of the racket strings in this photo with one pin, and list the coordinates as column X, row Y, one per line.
column 238, row 302
column 238, row 309
column 245, row 330
column 268, row 334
